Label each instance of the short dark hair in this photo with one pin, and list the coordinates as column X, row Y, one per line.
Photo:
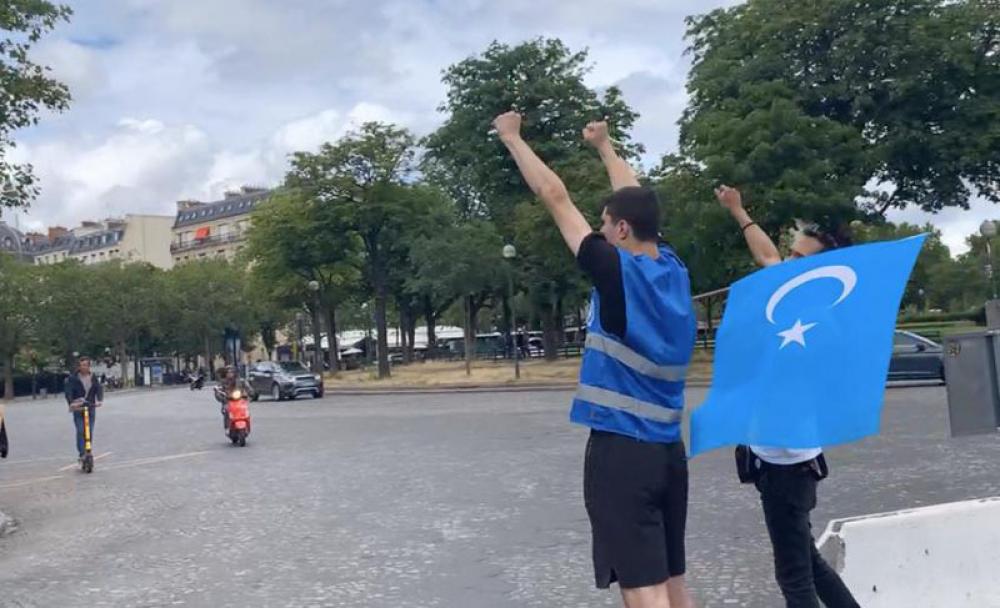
column 639, row 207
column 834, row 236
column 82, row 358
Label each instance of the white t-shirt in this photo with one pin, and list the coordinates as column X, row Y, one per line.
column 785, row 455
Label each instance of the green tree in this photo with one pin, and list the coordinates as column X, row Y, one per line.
column 206, row 298
column 17, row 315
column 360, row 183
column 934, row 262
column 124, row 308
column 462, row 262
column 65, row 296
column 811, row 106
column 431, row 216
column 27, row 89
column 544, row 80
column 291, row 234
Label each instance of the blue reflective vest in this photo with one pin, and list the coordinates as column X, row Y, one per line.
column 635, row 386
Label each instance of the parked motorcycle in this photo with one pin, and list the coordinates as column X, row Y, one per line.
column 198, row 382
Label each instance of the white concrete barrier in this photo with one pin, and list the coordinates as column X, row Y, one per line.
column 942, row 556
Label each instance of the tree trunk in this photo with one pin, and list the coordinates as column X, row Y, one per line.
column 317, row 327
column 402, row 332
column 123, row 357
column 408, row 325
column 209, row 372
column 412, row 329
column 509, row 340
column 708, row 321
column 431, row 320
column 550, row 329
column 381, row 327
column 550, row 334
column 136, row 364
column 470, row 340
column 8, row 377
column 560, row 322
column 333, row 357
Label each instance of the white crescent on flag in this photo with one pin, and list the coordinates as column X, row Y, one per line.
column 844, row 274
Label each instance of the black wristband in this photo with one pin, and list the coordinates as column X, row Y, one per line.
column 747, row 225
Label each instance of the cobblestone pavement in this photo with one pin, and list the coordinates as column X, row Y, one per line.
column 387, row 501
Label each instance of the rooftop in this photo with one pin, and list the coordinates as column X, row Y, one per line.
column 233, row 205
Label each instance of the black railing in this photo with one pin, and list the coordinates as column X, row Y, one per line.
column 209, row 241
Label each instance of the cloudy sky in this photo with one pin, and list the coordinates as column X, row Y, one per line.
column 187, row 98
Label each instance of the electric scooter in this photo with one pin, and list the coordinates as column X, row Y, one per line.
column 87, row 461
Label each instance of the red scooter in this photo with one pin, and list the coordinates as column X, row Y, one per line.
column 238, row 416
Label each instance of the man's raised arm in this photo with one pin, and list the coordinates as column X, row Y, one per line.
column 543, row 182
column 619, row 171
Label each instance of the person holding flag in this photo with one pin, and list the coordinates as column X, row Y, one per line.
column 786, row 478
column 640, row 337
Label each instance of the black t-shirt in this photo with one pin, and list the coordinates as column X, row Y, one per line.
column 599, row 259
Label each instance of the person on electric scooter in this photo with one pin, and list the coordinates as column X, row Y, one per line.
column 230, row 381
column 82, row 387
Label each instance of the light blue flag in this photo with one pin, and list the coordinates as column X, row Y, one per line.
column 803, row 351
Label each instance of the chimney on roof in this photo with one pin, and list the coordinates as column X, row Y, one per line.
column 231, row 194
column 56, row 232
column 251, row 189
column 187, row 204
column 34, row 237
column 90, row 224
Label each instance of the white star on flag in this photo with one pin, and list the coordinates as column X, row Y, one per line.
column 796, row 333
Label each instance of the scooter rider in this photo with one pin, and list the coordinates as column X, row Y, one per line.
column 83, row 388
column 230, row 382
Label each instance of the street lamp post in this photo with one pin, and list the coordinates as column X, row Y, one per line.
column 509, row 253
column 989, row 230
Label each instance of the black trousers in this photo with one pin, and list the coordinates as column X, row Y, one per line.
column 788, row 494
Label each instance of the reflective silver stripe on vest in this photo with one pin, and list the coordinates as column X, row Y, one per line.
column 637, row 407
column 632, row 359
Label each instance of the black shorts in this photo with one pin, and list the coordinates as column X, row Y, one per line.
column 636, row 494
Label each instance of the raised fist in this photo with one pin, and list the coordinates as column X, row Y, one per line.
column 596, row 133
column 729, row 197
column 508, row 124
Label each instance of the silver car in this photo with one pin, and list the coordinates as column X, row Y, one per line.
column 284, row 380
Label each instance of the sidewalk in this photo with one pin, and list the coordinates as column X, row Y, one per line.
column 107, row 393
column 487, row 376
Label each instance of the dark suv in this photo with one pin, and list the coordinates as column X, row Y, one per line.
column 284, row 380
column 914, row 357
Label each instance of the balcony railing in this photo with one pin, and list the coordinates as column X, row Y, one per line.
column 209, row 241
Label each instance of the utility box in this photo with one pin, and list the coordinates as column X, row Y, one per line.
column 993, row 314
column 971, row 369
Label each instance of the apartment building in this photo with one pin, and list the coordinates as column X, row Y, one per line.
column 133, row 238
column 214, row 229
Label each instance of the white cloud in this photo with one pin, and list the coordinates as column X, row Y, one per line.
column 955, row 224
column 141, row 166
column 188, row 98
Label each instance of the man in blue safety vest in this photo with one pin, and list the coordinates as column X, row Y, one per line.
column 631, row 393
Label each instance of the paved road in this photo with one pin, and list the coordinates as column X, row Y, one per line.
column 445, row 500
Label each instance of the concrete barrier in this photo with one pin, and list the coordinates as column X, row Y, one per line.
column 942, row 556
